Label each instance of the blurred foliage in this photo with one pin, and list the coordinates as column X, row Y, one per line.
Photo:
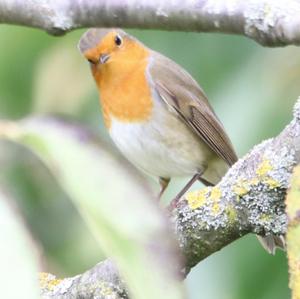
column 293, row 233
column 251, row 88
column 18, row 254
column 84, row 168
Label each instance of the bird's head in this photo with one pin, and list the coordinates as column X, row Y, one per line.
column 104, row 47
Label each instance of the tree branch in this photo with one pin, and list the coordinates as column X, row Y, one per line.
column 101, row 282
column 249, row 199
column 268, row 22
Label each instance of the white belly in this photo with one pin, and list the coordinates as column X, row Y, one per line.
column 163, row 146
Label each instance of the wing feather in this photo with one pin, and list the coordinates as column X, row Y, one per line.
column 183, row 96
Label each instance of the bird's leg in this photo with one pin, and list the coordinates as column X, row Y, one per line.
column 163, row 186
column 175, row 200
column 187, row 186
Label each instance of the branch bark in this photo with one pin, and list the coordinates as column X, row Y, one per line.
column 268, row 22
column 101, row 282
column 249, row 199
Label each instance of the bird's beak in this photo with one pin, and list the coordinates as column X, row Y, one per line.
column 103, row 58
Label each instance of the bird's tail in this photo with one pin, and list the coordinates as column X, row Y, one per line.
column 213, row 174
column 271, row 242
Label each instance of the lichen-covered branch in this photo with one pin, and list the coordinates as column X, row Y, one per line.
column 101, row 282
column 269, row 22
column 249, row 199
column 293, row 233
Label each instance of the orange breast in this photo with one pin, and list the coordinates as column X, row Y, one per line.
column 124, row 90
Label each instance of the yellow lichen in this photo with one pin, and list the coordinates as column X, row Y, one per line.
column 254, row 181
column 238, row 198
column 197, row 198
column 106, row 290
column 241, row 188
column 264, row 218
column 48, row 281
column 215, row 209
column 231, row 213
column 267, row 10
column 215, row 193
column 271, row 182
column 264, row 167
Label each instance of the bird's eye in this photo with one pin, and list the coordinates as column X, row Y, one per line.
column 118, row 40
column 91, row 61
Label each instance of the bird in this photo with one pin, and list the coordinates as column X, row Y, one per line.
column 157, row 114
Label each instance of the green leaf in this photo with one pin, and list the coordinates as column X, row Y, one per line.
column 19, row 271
column 113, row 199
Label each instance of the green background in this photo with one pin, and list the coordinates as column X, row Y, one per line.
column 252, row 89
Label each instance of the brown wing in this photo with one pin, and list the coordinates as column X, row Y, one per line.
column 183, row 95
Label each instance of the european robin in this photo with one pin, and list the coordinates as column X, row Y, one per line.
column 157, row 114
